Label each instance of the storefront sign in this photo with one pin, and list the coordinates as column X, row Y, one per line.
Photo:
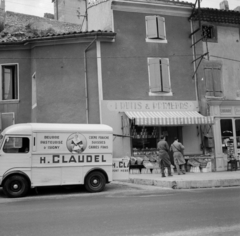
column 225, row 110
column 121, row 168
column 237, row 110
column 152, row 105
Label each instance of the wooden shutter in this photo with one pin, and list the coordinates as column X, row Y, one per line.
column 165, row 75
column 217, row 85
column 212, row 73
column 154, row 75
column 208, row 81
column 151, row 26
column 161, row 27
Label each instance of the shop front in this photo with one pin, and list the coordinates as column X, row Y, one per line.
column 226, row 132
column 139, row 124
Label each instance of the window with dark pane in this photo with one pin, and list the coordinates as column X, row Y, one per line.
column 9, row 82
column 208, row 31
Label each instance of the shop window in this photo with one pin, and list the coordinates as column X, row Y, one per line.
column 237, row 125
column 16, row 145
column 159, row 77
column 213, row 79
column 144, row 139
column 155, row 29
column 227, row 135
column 209, row 32
column 9, row 82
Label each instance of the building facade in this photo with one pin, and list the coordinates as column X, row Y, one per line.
column 218, row 78
column 51, row 79
column 147, row 79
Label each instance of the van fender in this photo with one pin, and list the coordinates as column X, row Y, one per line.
column 97, row 169
column 16, row 172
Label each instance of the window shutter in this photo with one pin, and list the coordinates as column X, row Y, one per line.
column 217, row 86
column 208, row 81
column 154, row 75
column 213, row 78
column 161, row 27
column 151, row 26
column 165, row 75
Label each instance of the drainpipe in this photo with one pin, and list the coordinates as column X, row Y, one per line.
column 86, row 80
column 57, row 16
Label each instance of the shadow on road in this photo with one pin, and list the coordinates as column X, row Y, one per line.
column 67, row 190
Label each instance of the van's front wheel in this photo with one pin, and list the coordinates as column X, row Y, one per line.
column 15, row 186
column 95, row 182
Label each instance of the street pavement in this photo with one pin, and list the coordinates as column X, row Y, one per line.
column 123, row 209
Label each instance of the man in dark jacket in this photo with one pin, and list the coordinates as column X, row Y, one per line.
column 163, row 155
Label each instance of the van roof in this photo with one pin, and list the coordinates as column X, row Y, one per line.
column 29, row 128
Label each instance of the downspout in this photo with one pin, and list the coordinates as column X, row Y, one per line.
column 86, row 80
column 57, row 16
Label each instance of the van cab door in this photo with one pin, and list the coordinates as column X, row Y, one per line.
column 15, row 154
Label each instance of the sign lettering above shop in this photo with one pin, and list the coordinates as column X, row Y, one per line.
column 152, row 105
column 237, row 110
column 226, row 110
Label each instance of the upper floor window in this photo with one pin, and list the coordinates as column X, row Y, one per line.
column 155, row 29
column 9, row 82
column 159, row 77
column 209, row 33
column 213, row 79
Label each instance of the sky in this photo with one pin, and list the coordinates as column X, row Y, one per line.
column 39, row 7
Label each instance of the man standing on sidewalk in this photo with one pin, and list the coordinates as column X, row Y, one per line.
column 163, row 155
column 179, row 161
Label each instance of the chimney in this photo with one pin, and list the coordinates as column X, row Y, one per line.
column 224, row 5
column 2, row 15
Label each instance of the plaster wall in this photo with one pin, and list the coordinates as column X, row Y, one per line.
column 21, row 108
column 125, row 64
column 61, row 84
column 100, row 16
column 191, row 139
column 69, row 11
column 227, row 51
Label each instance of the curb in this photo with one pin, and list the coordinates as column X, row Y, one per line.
column 180, row 184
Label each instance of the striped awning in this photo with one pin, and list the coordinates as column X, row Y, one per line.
column 169, row 118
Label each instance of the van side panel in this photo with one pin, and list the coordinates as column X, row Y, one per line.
column 65, row 158
column 46, row 176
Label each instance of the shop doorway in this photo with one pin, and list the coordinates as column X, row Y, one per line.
column 171, row 132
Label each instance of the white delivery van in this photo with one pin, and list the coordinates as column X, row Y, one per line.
column 38, row 154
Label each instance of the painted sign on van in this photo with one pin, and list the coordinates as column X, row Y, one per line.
column 75, row 143
column 71, row 159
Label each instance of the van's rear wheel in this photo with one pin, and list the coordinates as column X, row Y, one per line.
column 15, row 186
column 95, row 182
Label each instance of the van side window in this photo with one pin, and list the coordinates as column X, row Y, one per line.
column 16, row 145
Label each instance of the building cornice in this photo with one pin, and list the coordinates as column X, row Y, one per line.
column 153, row 7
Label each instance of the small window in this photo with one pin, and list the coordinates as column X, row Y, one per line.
column 213, row 80
column 9, row 82
column 159, row 79
column 209, row 33
column 155, row 29
column 16, row 145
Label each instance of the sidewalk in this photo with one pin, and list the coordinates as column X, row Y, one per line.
column 189, row 180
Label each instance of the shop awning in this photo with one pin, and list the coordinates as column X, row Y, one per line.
column 169, row 118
